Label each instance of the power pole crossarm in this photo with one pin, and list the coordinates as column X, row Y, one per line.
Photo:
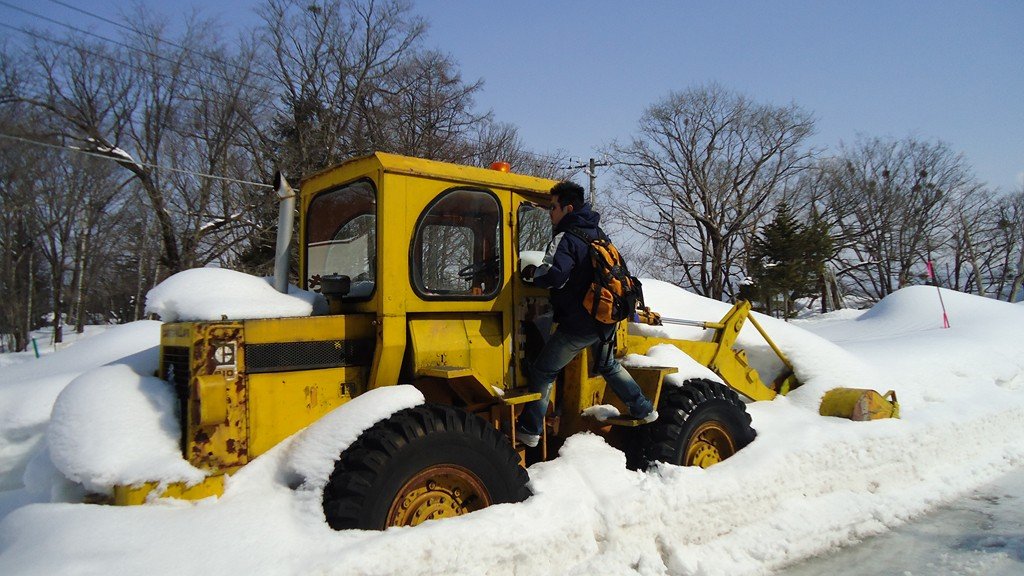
column 591, row 170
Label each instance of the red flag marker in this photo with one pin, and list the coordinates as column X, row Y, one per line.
column 931, row 276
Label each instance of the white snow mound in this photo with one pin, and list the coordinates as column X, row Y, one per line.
column 314, row 451
column 216, row 294
column 114, row 426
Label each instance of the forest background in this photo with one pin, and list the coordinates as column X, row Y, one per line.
column 126, row 157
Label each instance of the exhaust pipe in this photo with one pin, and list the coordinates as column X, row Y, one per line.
column 285, row 221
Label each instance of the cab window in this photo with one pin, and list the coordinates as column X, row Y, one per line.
column 534, row 230
column 456, row 250
column 341, row 238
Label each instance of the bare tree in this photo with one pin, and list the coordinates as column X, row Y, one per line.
column 423, row 109
column 20, row 278
column 893, row 202
column 700, row 174
column 1010, row 245
column 148, row 102
column 329, row 59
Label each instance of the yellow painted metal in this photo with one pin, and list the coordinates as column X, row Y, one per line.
column 473, row 340
column 135, row 495
column 582, row 390
column 310, row 329
column 213, row 399
column 859, row 404
column 465, row 382
column 282, row 403
column 232, row 416
column 178, row 334
column 718, row 354
column 215, row 424
column 520, row 396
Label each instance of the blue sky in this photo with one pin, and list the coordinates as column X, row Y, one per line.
column 574, row 75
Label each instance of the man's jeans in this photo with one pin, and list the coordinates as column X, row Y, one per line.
column 559, row 350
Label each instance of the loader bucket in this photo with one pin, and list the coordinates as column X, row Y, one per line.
column 859, row 404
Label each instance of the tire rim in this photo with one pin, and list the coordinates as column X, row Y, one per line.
column 711, row 443
column 441, row 491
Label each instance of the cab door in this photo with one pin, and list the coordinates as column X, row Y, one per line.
column 531, row 326
column 458, row 309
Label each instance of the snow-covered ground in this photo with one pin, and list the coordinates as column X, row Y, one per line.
column 807, row 484
column 981, row 534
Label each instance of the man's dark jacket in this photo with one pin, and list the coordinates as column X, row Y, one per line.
column 568, row 272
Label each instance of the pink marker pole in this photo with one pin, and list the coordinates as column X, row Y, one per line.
column 931, row 276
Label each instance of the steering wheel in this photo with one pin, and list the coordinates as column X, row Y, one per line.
column 469, row 272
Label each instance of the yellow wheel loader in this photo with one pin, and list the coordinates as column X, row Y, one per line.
column 418, row 262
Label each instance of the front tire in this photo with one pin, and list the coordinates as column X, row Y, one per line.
column 423, row 463
column 700, row 423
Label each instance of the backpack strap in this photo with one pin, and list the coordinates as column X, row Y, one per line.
column 585, row 236
column 580, row 233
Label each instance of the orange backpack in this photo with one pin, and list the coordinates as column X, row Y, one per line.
column 614, row 294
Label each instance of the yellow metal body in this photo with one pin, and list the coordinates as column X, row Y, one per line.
column 718, row 354
column 859, row 405
column 135, row 495
column 245, row 385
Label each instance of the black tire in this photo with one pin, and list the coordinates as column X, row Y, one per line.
column 437, row 460
column 699, row 424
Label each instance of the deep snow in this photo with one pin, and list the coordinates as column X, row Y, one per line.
column 980, row 534
column 806, row 485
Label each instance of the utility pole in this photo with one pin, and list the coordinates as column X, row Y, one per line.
column 590, row 169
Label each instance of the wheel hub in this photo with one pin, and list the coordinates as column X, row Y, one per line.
column 442, row 491
column 710, row 444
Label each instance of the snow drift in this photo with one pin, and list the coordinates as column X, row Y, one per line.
column 805, row 485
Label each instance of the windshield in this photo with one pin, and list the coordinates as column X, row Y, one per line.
column 341, row 237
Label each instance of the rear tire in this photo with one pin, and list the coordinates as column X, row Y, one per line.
column 423, row 463
column 699, row 424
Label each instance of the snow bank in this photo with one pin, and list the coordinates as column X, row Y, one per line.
column 217, row 293
column 807, row 484
column 28, row 389
column 114, row 426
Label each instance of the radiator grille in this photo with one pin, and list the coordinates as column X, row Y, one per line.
column 176, row 364
column 289, row 356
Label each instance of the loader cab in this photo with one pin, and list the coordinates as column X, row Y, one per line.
column 429, row 253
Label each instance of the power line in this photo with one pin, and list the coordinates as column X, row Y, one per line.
column 127, row 46
column 539, row 159
column 118, row 61
column 129, row 159
column 171, row 42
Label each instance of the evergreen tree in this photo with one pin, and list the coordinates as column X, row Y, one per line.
column 786, row 261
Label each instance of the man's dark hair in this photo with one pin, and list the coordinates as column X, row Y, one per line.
column 568, row 193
